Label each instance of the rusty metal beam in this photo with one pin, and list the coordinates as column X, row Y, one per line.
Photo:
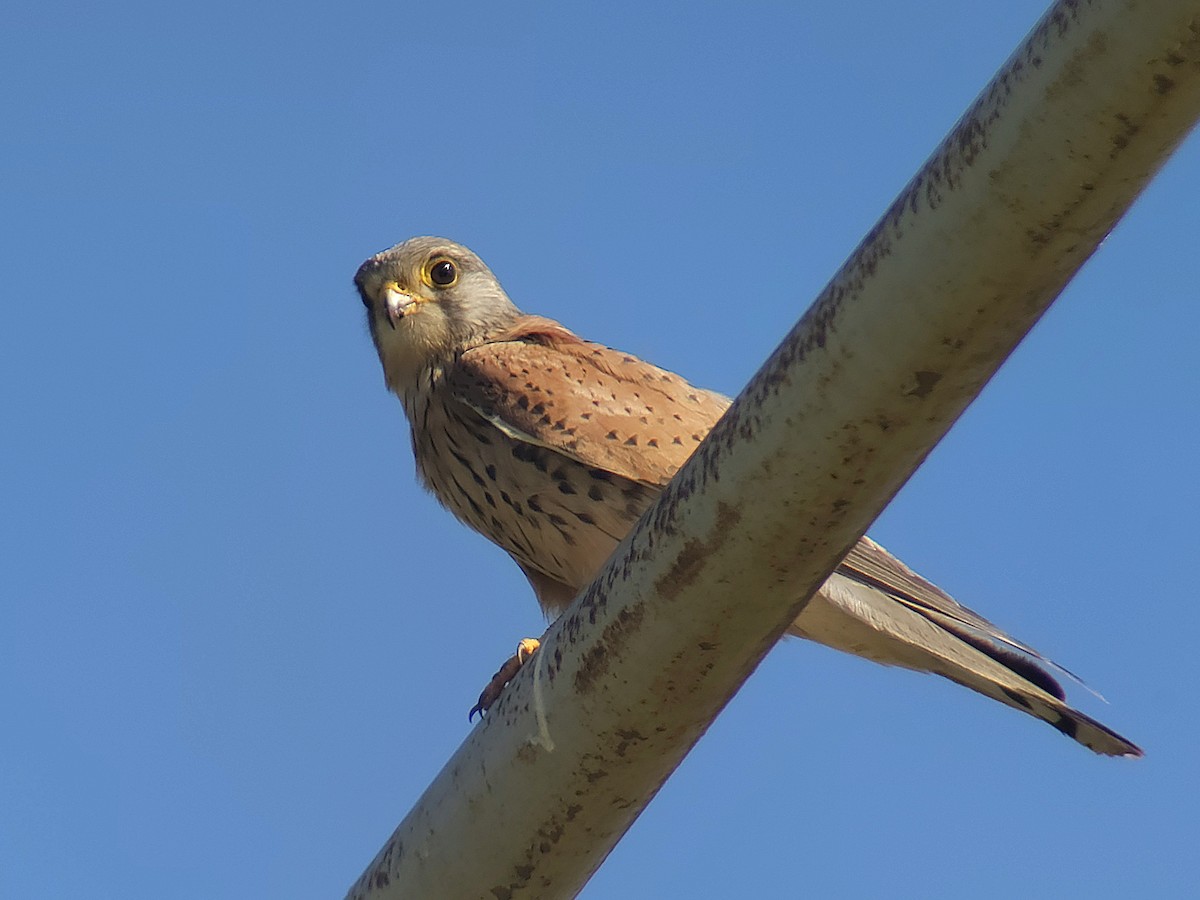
column 961, row 266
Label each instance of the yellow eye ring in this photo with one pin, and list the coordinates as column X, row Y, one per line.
column 440, row 272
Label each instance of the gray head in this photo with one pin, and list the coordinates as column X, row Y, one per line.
column 428, row 299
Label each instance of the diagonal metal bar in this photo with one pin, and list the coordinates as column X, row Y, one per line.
column 959, row 268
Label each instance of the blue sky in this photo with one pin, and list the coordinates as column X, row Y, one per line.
column 237, row 640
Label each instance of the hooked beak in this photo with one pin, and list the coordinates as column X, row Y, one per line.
column 399, row 303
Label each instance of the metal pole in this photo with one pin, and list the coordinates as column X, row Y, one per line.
column 961, row 266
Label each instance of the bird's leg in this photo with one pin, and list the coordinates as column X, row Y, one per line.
column 525, row 649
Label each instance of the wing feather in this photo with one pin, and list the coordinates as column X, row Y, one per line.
column 540, row 383
column 870, row 564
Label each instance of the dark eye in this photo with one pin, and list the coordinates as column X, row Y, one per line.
column 443, row 273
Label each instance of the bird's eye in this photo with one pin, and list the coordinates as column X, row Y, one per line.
column 442, row 273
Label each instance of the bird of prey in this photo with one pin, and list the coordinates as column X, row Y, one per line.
column 552, row 446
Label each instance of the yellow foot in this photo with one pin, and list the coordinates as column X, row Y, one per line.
column 507, row 672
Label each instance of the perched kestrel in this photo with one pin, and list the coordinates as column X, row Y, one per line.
column 552, row 447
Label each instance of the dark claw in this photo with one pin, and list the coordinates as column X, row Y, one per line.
column 495, row 687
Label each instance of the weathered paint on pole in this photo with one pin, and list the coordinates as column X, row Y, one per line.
column 961, row 266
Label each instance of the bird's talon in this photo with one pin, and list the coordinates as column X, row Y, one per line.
column 506, row 673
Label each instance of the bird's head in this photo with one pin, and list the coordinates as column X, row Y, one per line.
column 428, row 299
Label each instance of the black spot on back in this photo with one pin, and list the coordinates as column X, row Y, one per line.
column 1017, row 698
column 1067, row 726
